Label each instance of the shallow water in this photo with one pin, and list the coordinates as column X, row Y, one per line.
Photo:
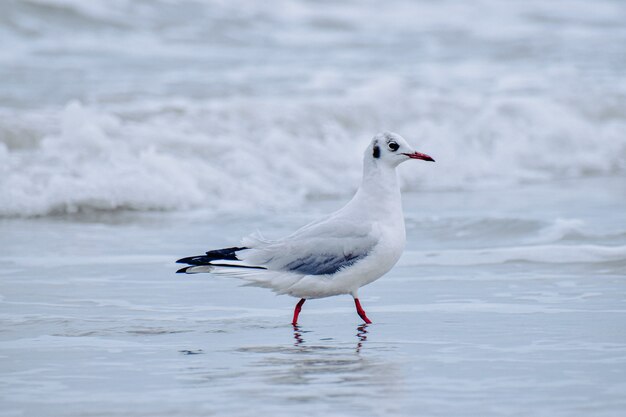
column 506, row 302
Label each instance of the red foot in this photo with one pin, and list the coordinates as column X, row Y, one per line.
column 360, row 311
column 296, row 311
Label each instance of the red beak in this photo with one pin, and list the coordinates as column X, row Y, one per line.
column 417, row 155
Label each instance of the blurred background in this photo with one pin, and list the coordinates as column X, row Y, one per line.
column 228, row 105
column 136, row 132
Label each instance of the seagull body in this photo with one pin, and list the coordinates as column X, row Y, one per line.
column 337, row 254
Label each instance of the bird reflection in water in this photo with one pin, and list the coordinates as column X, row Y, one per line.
column 297, row 334
column 361, row 334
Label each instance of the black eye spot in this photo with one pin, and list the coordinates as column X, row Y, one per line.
column 376, row 152
column 393, row 146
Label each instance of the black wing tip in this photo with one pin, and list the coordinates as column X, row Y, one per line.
column 226, row 254
column 229, row 254
column 190, row 260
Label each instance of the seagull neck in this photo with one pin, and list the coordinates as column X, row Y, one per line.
column 380, row 187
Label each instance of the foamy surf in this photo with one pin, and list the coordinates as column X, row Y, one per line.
column 238, row 155
column 250, row 108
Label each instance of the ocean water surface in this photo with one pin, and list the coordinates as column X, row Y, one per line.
column 494, row 309
column 133, row 133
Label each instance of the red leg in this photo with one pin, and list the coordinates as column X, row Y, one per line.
column 360, row 311
column 296, row 311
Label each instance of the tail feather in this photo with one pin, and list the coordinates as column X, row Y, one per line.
column 225, row 262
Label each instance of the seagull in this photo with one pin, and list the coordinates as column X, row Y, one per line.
column 337, row 254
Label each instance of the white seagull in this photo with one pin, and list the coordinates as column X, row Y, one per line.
column 337, row 254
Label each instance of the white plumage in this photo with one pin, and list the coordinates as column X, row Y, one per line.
column 337, row 254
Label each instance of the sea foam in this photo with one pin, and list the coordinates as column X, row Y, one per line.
column 234, row 106
column 244, row 154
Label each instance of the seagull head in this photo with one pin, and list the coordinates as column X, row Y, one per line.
column 391, row 148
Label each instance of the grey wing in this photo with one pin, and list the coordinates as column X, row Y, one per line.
column 324, row 262
column 323, row 251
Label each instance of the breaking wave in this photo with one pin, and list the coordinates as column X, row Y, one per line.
column 266, row 116
column 240, row 154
